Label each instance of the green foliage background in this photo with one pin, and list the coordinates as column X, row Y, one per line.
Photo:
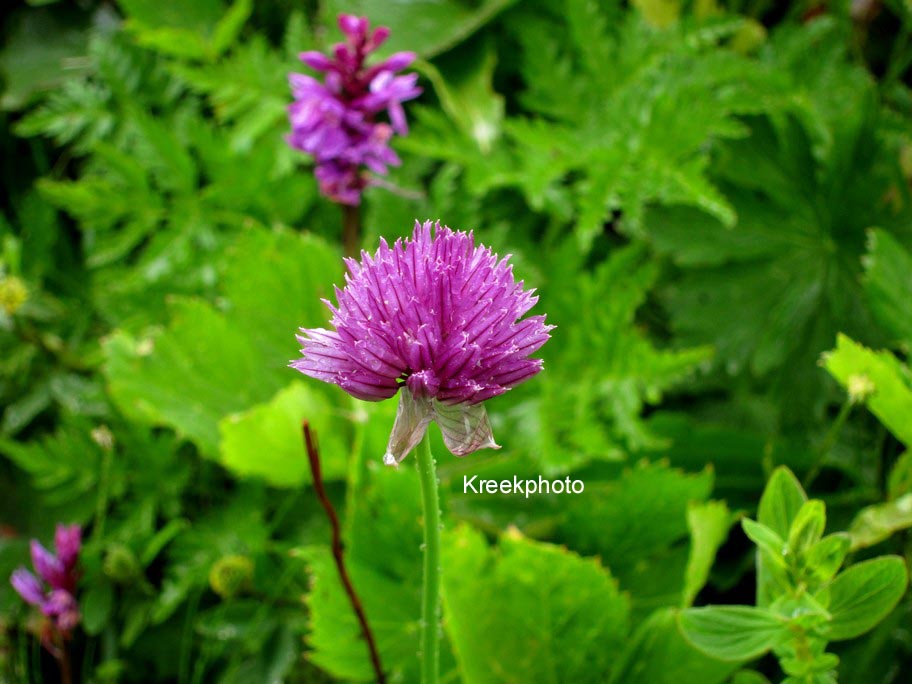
column 713, row 199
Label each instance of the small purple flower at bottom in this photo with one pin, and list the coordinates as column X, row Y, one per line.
column 439, row 320
column 336, row 121
column 53, row 590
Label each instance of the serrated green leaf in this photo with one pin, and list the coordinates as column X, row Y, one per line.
column 733, row 633
column 265, row 441
column 708, row 523
column 887, row 383
column 201, row 369
column 557, row 616
column 863, row 595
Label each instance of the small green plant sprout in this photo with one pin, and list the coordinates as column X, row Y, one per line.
column 803, row 601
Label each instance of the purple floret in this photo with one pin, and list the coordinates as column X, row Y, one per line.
column 440, row 319
column 52, row 591
column 335, row 121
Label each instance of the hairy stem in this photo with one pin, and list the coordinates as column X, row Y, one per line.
column 313, row 457
column 430, row 599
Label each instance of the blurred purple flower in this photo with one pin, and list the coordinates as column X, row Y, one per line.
column 52, row 591
column 438, row 318
column 335, row 121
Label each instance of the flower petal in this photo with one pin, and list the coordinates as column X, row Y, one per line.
column 28, row 587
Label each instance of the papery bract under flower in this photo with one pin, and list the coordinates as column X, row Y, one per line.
column 438, row 319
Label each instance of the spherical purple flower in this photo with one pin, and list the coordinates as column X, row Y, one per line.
column 439, row 320
column 335, row 121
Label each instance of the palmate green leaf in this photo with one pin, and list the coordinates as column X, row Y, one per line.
column 209, row 364
column 265, row 441
column 886, row 384
column 634, row 516
column 863, row 595
column 657, row 653
column 427, row 27
column 888, row 284
column 529, row 612
column 802, row 184
column 638, row 525
column 199, row 370
column 733, row 633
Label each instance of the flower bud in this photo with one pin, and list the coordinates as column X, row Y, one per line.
column 230, row 575
column 13, row 294
column 121, row 564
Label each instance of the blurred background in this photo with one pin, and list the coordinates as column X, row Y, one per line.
column 705, row 193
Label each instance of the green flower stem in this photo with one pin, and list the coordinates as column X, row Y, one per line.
column 829, row 441
column 430, row 599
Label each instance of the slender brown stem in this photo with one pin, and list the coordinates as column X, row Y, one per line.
column 313, row 455
column 351, row 229
column 63, row 661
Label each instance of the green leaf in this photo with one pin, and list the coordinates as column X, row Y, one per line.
column 640, row 513
column 95, row 606
column 733, row 633
column 40, row 49
column 773, row 546
column 383, row 557
column 886, row 384
column 888, row 284
column 266, row 441
column 873, row 524
column 708, row 524
column 200, row 369
column 657, row 653
column 782, row 498
column 558, row 617
column 463, row 82
column 807, row 528
column 427, row 27
column 274, row 281
column 823, row 559
column 863, row 595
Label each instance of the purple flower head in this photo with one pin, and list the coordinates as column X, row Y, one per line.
column 438, row 318
column 336, row 121
column 52, row 591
